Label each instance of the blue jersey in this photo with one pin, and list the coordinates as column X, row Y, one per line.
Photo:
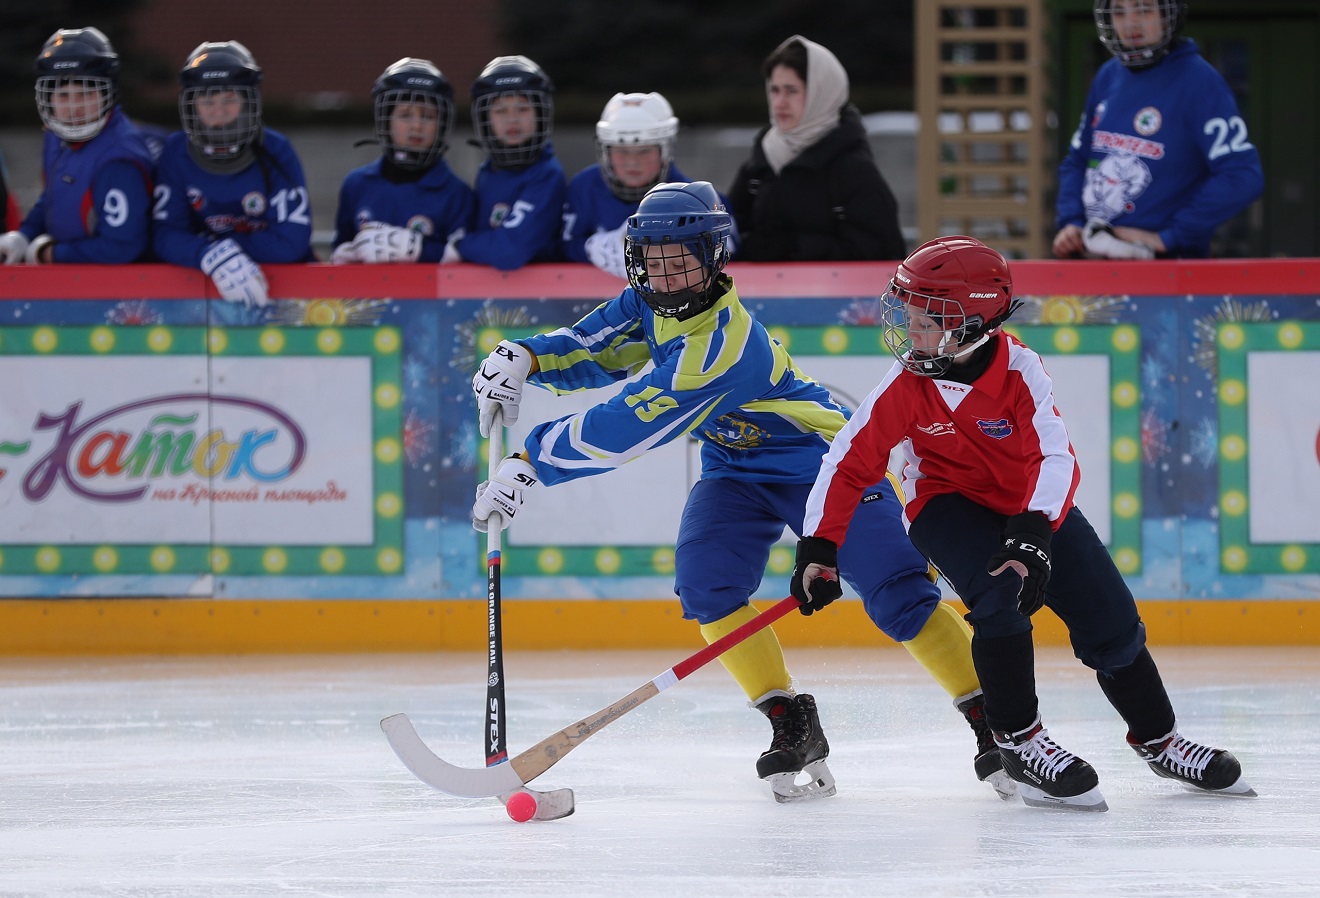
column 264, row 207
column 518, row 214
column 436, row 205
column 718, row 376
column 96, row 197
column 593, row 207
column 1163, row 149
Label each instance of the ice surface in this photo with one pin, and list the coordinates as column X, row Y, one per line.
column 263, row 775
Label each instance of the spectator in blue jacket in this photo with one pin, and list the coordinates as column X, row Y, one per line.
column 231, row 195
column 520, row 187
column 408, row 204
column 1161, row 156
column 95, row 205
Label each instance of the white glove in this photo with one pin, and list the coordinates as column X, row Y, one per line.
column 344, row 254
column 502, row 495
column 605, row 251
column 234, row 273
column 380, row 242
column 33, row 254
column 1099, row 239
column 13, row 247
column 451, row 254
column 499, row 382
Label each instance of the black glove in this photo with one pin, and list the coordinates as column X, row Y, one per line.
column 1027, row 552
column 816, row 574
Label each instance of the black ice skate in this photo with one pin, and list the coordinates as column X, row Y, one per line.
column 1048, row 776
column 988, row 764
column 1198, row 767
column 798, row 749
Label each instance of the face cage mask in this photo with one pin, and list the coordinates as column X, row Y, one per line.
column 689, row 301
column 90, row 121
column 621, row 190
column 953, row 343
column 227, row 141
column 413, row 158
column 524, row 154
column 1137, row 58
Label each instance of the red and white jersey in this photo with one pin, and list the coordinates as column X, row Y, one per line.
column 999, row 441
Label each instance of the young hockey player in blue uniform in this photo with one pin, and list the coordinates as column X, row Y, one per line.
column 991, row 477
column 634, row 152
column 1161, row 156
column 408, row 204
column 763, row 425
column 96, row 165
column 520, row 186
column 230, row 193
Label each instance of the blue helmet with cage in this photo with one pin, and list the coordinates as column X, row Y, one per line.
column 507, row 87
column 220, row 102
column 677, row 247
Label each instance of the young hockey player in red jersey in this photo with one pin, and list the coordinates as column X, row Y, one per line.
column 990, row 475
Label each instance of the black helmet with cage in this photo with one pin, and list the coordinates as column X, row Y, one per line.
column 513, row 80
column 77, row 83
column 220, row 101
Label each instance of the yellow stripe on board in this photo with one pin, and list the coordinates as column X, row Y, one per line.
column 188, row 626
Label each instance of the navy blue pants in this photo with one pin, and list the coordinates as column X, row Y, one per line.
column 1085, row 589
column 729, row 527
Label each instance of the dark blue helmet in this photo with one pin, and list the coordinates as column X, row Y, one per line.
column 511, row 78
column 1153, row 47
column 81, row 64
column 214, row 74
column 677, row 246
column 420, row 86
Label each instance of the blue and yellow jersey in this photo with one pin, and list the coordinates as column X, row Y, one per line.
column 717, row 376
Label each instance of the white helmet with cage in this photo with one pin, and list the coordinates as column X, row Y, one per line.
column 635, row 120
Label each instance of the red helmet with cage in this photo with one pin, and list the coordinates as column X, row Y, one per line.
column 952, row 292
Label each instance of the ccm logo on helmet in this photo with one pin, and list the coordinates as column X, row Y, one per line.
column 983, row 295
column 902, row 277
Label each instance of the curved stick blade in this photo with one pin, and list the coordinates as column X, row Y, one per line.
column 463, row 782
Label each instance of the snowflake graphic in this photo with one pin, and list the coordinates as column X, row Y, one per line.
column 1154, row 437
column 418, row 434
column 133, row 313
column 1204, row 442
column 867, row 311
column 1205, row 353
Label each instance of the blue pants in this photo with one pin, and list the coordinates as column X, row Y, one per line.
column 1085, row 588
column 729, row 527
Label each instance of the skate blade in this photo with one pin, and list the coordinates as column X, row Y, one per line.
column 1090, row 800
column 817, row 782
column 1239, row 789
column 1003, row 784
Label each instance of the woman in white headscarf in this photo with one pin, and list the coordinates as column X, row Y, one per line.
column 811, row 189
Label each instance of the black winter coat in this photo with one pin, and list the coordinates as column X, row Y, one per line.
column 829, row 204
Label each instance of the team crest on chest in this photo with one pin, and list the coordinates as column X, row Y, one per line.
column 196, row 199
column 498, row 213
column 998, row 429
column 254, row 203
column 422, row 225
column 1147, row 121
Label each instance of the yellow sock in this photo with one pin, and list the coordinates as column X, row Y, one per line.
column 944, row 648
column 757, row 663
